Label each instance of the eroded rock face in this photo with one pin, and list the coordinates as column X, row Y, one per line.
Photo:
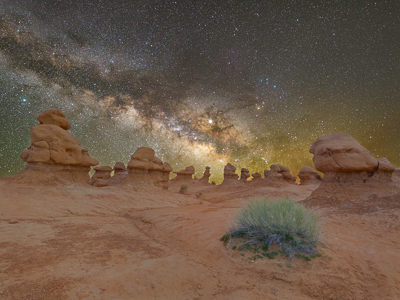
column 54, row 117
column 146, row 168
column 308, row 175
column 120, row 173
column 244, row 174
column 229, row 174
column 256, row 177
column 101, row 176
column 396, row 176
column 52, row 144
column 206, row 176
column 339, row 152
column 351, row 173
column 185, row 175
column 279, row 172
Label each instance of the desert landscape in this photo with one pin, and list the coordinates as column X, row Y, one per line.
column 131, row 232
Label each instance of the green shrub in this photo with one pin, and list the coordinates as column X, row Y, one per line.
column 282, row 222
column 184, row 186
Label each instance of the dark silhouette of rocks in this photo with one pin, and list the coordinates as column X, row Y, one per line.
column 206, row 176
column 244, row 174
column 351, row 173
column 229, row 174
column 308, row 175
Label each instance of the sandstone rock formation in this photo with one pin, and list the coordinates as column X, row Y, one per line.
column 256, row 177
column 244, row 174
column 229, row 174
column 351, row 173
column 101, row 176
column 308, row 175
column 185, row 175
column 279, row 172
column 120, row 173
column 206, row 176
column 52, row 144
column 144, row 167
column 339, row 152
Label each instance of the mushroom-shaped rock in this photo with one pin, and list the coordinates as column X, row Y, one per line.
column 143, row 153
column 229, row 174
column 146, row 168
column 52, row 145
column 339, row 152
column 244, row 174
column 54, row 117
column 351, row 173
column 278, row 172
column 308, row 175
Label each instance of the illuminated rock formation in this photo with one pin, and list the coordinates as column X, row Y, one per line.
column 120, row 173
column 144, row 167
column 52, row 144
column 351, row 173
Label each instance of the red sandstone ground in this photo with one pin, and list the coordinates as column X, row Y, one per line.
column 82, row 242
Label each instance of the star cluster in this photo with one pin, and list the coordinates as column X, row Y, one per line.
column 252, row 83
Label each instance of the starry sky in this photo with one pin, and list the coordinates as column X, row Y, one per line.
column 203, row 83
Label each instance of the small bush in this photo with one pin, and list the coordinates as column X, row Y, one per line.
column 283, row 222
column 184, row 186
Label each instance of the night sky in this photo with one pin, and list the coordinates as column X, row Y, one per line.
column 203, row 83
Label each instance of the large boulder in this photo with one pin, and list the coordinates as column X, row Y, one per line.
column 339, row 152
column 352, row 176
column 54, row 117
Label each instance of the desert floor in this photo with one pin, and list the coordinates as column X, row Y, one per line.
column 141, row 242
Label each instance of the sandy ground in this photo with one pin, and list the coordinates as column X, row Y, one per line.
column 81, row 242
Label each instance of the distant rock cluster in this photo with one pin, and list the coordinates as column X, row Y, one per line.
column 350, row 170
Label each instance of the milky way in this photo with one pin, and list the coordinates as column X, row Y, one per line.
column 252, row 83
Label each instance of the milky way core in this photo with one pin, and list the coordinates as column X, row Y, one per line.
column 252, row 83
